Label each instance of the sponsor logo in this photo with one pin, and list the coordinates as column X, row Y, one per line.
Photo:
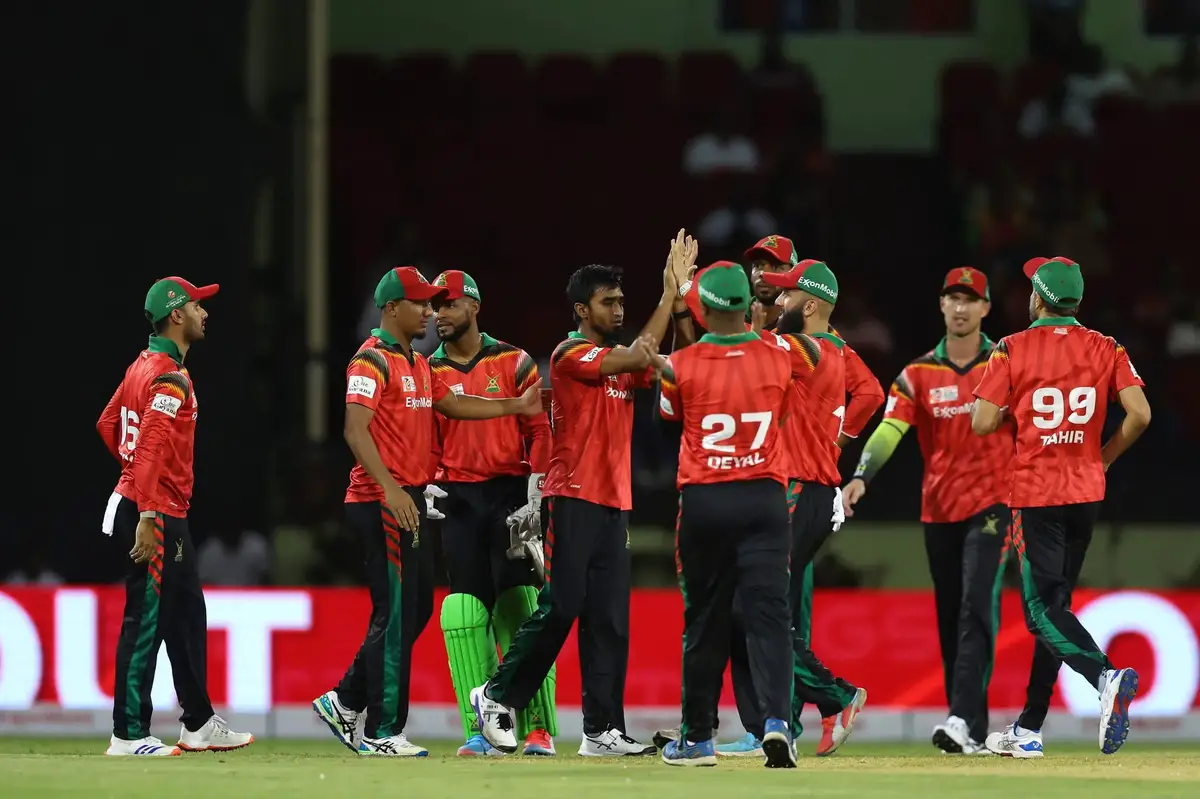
column 493, row 384
column 591, row 355
column 617, row 393
column 943, row 394
column 1063, row 437
column 891, row 404
column 166, row 404
column 407, row 383
column 418, row 402
column 726, row 462
column 807, row 283
column 1044, row 289
column 361, row 386
column 457, row 389
column 943, row 412
column 713, row 299
column 666, row 405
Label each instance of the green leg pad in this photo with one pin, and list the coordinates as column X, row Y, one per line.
column 470, row 649
column 513, row 607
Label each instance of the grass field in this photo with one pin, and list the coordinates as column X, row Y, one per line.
column 76, row 767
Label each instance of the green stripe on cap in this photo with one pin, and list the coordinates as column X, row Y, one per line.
column 725, row 288
column 819, row 281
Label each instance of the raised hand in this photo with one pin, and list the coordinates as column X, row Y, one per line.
column 758, row 316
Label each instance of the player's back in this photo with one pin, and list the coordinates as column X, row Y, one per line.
column 816, row 407
column 155, row 399
column 731, row 392
column 1062, row 377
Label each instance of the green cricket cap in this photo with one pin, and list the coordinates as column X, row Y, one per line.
column 170, row 293
column 405, row 283
column 1058, row 281
column 458, row 284
column 723, row 286
column 810, row 276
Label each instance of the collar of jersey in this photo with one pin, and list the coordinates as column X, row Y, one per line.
column 1056, row 321
column 727, row 341
column 832, row 338
column 485, row 341
column 985, row 345
column 164, row 344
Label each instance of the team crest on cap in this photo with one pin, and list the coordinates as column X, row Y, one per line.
column 771, row 241
column 965, row 277
column 170, row 294
column 441, row 280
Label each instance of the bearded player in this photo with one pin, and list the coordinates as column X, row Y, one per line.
column 1056, row 380
column 488, row 472
column 964, row 495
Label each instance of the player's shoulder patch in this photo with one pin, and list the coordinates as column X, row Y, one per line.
column 575, row 346
column 372, row 359
column 175, row 383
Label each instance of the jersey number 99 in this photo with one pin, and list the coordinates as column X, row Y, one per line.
column 1050, row 410
column 724, row 427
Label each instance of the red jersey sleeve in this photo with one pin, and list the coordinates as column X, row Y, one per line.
column 534, row 429
column 366, row 378
column 109, row 423
column 1124, row 375
column 579, row 359
column 901, row 401
column 996, row 384
column 866, row 394
column 437, row 387
column 435, row 449
column 668, row 400
column 165, row 396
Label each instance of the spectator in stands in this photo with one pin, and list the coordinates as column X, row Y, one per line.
column 721, row 149
column 234, row 558
column 1069, row 103
column 1179, row 83
column 727, row 229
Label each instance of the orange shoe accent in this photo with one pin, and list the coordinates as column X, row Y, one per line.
column 186, row 748
column 541, row 739
column 826, row 742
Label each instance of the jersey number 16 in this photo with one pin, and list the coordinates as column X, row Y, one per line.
column 129, row 430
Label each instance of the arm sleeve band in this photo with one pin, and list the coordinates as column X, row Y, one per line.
column 879, row 448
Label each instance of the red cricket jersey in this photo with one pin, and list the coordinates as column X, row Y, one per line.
column 401, row 391
column 816, row 406
column 592, row 418
column 150, row 425
column 1057, row 379
column 964, row 472
column 728, row 391
column 471, row 452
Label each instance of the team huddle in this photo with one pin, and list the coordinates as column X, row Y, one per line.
column 533, row 505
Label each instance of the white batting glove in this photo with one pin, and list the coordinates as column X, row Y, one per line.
column 529, row 515
column 839, row 512
column 432, row 492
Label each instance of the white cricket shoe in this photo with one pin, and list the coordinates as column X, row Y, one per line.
column 953, row 737
column 613, row 743
column 1014, row 742
column 343, row 722
column 392, row 746
column 1120, row 688
column 142, row 747
column 214, row 736
column 495, row 721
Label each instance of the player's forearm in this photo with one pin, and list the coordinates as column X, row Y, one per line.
column 656, row 328
column 148, row 465
column 986, row 418
column 619, row 360
column 1132, row 427
column 470, row 408
column 367, row 454
column 537, row 434
column 879, row 448
column 685, row 332
column 865, row 399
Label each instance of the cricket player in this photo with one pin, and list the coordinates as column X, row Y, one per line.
column 728, row 390
column 488, row 472
column 1056, row 380
column 588, row 498
column 777, row 254
column 964, row 496
column 390, row 399
column 149, row 425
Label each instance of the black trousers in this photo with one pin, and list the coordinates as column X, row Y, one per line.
column 587, row 578
column 399, row 568
column 810, row 506
column 732, row 546
column 163, row 603
column 1052, row 543
column 966, row 562
column 475, row 538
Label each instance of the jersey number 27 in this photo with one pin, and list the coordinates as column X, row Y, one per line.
column 725, row 426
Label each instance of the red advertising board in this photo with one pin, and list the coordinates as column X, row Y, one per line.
column 276, row 647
